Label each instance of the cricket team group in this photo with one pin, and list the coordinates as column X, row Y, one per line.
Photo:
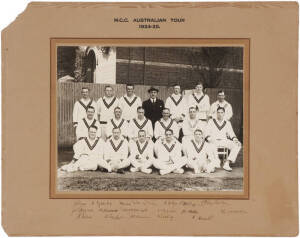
column 181, row 133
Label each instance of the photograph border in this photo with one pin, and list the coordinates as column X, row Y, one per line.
column 149, row 42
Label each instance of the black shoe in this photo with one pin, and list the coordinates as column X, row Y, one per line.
column 121, row 171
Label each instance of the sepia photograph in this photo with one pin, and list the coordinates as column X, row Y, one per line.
column 144, row 118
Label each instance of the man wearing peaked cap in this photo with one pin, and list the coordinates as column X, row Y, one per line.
column 153, row 106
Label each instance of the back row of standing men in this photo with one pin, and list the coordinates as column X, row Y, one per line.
column 129, row 103
column 156, row 119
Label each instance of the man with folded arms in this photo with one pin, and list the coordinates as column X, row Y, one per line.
column 177, row 105
column 169, row 158
column 85, row 123
column 81, row 106
column 221, row 134
column 140, row 123
column 200, row 101
column 164, row 124
column 199, row 155
column 141, row 153
column 105, row 107
column 117, row 122
column 129, row 103
column 88, row 153
column 116, row 152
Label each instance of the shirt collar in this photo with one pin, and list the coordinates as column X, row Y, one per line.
column 108, row 99
column 176, row 96
column 221, row 103
column 88, row 119
column 85, row 100
column 220, row 122
column 141, row 142
column 196, row 95
column 91, row 141
column 141, row 119
column 113, row 139
column 163, row 120
column 115, row 119
column 133, row 95
column 164, row 141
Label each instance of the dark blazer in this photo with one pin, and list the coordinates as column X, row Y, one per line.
column 153, row 111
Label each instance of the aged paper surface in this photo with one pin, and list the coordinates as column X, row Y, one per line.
column 272, row 207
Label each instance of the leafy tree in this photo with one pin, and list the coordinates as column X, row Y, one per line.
column 209, row 63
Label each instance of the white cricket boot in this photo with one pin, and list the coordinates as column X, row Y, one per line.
column 226, row 166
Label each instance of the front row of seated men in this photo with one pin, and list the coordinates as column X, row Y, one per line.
column 198, row 151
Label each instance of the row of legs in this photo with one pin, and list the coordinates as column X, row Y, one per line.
column 165, row 167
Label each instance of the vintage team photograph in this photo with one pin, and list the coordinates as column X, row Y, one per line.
column 149, row 118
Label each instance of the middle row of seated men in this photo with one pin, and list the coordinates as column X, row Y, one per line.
column 199, row 144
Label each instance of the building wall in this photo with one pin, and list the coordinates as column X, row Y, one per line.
column 149, row 65
column 166, row 66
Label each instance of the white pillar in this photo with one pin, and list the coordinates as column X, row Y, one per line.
column 105, row 71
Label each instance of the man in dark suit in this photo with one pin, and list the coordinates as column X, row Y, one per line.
column 153, row 106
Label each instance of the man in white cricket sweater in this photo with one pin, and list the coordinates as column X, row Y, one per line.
column 88, row 153
column 117, row 122
column 164, row 124
column 177, row 105
column 200, row 101
column 129, row 103
column 116, row 152
column 221, row 102
column 221, row 134
column 169, row 158
column 85, row 123
column 141, row 153
column 199, row 154
column 192, row 123
column 81, row 105
column 105, row 108
column 140, row 123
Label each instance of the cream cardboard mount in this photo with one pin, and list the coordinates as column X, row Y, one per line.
column 272, row 206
